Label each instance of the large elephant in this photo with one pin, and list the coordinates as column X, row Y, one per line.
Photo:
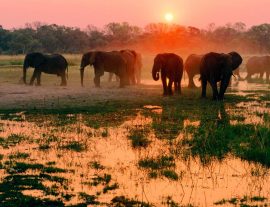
column 112, row 62
column 51, row 64
column 130, row 61
column 171, row 67
column 192, row 67
column 217, row 67
column 259, row 65
column 134, row 65
column 138, row 66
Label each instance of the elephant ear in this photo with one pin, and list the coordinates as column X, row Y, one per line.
column 236, row 60
column 225, row 65
column 92, row 58
column 161, row 59
column 223, row 60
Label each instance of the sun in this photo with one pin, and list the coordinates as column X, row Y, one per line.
column 169, row 17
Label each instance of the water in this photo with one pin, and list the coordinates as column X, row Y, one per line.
column 46, row 140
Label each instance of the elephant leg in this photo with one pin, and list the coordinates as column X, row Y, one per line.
column 214, row 89
column 38, row 78
column 204, row 84
column 190, row 81
column 261, row 75
column 123, row 81
column 110, row 77
column 138, row 76
column 177, row 87
column 164, row 83
column 97, row 81
column 63, row 80
column 133, row 80
column 33, row 77
column 267, row 76
column 133, row 77
column 170, row 92
column 248, row 76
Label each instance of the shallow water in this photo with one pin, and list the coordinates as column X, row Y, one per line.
column 197, row 183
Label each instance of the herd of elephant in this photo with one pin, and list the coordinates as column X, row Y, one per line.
column 127, row 64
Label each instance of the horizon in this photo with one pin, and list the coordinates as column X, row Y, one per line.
column 82, row 13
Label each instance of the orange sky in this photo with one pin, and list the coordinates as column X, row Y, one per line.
column 15, row 13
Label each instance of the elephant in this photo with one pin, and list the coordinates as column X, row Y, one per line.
column 134, row 65
column 192, row 67
column 112, row 62
column 51, row 64
column 171, row 66
column 259, row 65
column 217, row 67
column 138, row 66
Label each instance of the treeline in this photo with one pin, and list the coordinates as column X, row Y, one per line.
column 154, row 37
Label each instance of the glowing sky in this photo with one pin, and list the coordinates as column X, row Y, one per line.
column 15, row 13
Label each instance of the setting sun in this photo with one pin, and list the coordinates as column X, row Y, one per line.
column 169, row 17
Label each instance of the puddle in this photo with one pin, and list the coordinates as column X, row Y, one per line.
column 197, row 184
column 74, row 159
column 155, row 109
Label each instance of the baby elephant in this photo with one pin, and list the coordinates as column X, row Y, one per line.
column 171, row 67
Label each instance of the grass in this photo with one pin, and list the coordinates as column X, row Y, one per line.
column 123, row 201
column 12, row 140
column 19, row 155
column 96, row 165
column 139, row 137
column 75, row 146
column 157, row 163
column 16, row 181
column 89, row 199
column 160, row 166
column 101, row 180
column 244, row 201
column 222, row 131
column 170, row 174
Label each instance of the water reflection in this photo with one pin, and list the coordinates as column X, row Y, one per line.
column 217, row 150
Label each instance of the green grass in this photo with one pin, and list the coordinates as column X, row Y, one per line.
column 160, row 166
column 157, row 163
column 170, row 174
column 123, row 201
column 19, row 155
column 221, row 132
column 12, row 140
column 88, row 199
column 139, row 137
column 75, row 146
column 96, row 165
column 244, row 202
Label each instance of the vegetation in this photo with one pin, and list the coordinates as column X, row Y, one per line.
column 86, row 151
column 245, row 201
column 138, row 137
column 55, row 38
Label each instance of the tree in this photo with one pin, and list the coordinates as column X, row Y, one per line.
column 260, row 35
column 122, row 32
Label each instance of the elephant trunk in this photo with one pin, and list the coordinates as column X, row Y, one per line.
column 155, row 72
column 82, row 74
